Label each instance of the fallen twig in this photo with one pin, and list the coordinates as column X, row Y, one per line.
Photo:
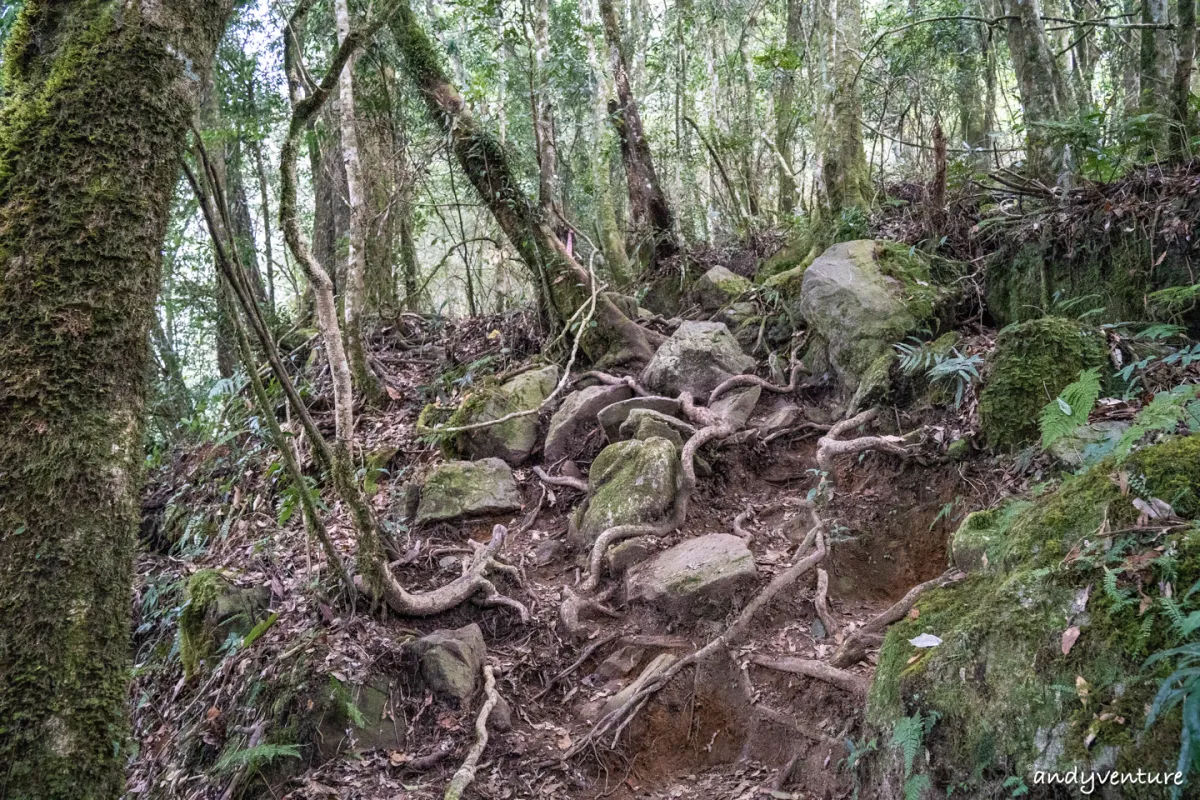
column 855, row 684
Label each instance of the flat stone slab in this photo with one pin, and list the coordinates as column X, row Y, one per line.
column 702, row 576
column 462, row 489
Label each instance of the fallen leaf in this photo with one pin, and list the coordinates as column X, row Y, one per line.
column 915, row 613
column 393, row 393
column 1069, row 637
column 1082, row 688
column 563, row 740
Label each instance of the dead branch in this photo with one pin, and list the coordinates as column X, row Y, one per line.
column 577, row 663
column 855, row 684
column 853, row 651
column 466, row 773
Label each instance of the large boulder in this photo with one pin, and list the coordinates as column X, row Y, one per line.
column 1041, row 663
column 705, row 575
column 719, row 288
column 630, row 482
column 576, row 417
column 861, row 297
column 514, row 440
column 613, row 417
column 462, row 489
column 697, row 358
column 1033, row 362
column 451, row 661
column 215, row 609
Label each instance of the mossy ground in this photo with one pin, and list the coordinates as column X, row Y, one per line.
column 1007, row 696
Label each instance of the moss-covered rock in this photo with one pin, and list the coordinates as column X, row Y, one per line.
column 463, row 489
column 859, row 298
column 1033, row 362
column 214, row 608
column 719, row 288
column 630, row 482
column 613, row 417
column 1008, row 699
column 514, row 440
column 451, row 661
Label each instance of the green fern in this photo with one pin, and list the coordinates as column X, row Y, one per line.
column 236, row 756
column 1164, row 413
column 1174, row 613
column 1070, row 409
column 1119, row 598
column 916, row 786
column 907, row 736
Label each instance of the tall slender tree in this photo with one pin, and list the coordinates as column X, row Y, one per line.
column 99, row 97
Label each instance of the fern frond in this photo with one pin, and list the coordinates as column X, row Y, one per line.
column 916, row 787
column 907, row 735
column 236, row 756
column 1070, row 409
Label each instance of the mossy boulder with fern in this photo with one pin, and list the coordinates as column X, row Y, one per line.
column 214, row 610
column 1042, row 661
column 859, row 298
column 1032, row 363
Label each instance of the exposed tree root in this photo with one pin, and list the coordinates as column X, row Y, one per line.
column 579, row 484
column 574, row 605
column 855, row 684
column 614, row 380
column 618, row 718
column 740, row 520
column 855, row 648
column 830, row 445
column 466, row 773
column 821, row 604
column 798, row 369
column 577, row 663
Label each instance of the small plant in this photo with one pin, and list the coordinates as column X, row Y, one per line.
column 1062, row 415
column 939, row 368
column 1180, row 689
column 907, row 735
column 236, row 756
column 855, row 753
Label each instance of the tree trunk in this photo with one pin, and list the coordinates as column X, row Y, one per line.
column 843, row 160
column 1040, row 84
column 651, row 213
column 561, row 282
column 612, row 243
column 785, row 106
column 355, row 290
column 549, row 184
column 1156, row 59
column 1181, row 83
column 99, row 96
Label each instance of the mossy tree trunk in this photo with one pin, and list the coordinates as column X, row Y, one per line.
column 843, row 175
column 562, row 283
column 1040, row 83
column 99, row 97
column 649, row 209
column 1181, row 83
column 785, row 106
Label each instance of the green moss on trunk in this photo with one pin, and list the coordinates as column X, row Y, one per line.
column 100, row 94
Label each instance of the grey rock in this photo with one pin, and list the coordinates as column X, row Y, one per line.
column 610, row 418
column 461, row 489
column 1090, row 443
column 699, row 576
column 736, row 405
column 451, row 661
column 576, row 417
column 630, row 482
column 696, row 359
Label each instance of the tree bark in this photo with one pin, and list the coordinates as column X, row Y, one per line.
column 549, row 184
column 785, row 106
column 1040, row 83
column 843, row 160
column 355, row 290
column 1181, row 83
column 99, row 96
column 561, row 282
column 648, row 207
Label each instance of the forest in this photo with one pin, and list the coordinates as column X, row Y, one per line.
column 564, row 399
